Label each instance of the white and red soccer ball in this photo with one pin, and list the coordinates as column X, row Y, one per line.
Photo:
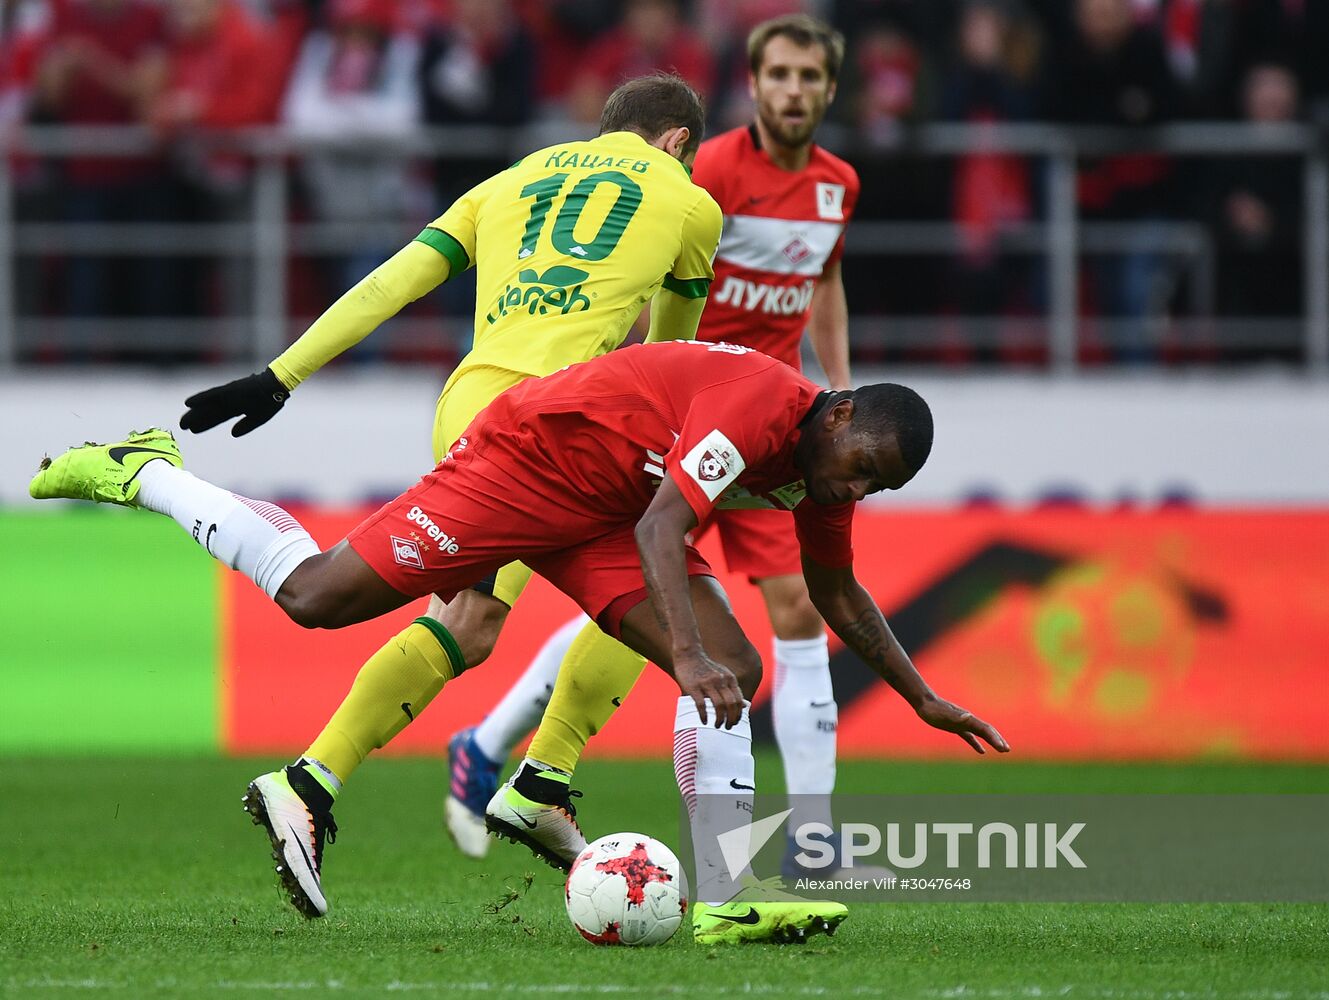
column 627, row 889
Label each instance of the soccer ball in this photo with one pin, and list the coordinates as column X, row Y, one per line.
column 626, row 888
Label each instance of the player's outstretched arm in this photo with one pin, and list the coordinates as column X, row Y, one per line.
column 404, row 277
column 853, row 615
column 660, row 539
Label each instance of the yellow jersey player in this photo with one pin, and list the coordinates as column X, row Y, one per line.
column 568, row 244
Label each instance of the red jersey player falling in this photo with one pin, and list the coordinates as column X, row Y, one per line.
column 593, row 476
column 786, row 203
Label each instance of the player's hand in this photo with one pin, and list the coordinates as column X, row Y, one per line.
column 700, row 678
column 942, row 714
column 256, row 398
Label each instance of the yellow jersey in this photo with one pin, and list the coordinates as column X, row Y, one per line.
column 570, row 243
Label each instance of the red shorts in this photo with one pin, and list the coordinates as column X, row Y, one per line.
column 604, row 575
column 468, row 518
column 757, row 543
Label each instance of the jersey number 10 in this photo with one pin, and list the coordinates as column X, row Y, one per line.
column 569, row 213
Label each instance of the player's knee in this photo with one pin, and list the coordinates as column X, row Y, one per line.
column 313, row 607
column 745, row 662
column 301, row 610
column 794, row 616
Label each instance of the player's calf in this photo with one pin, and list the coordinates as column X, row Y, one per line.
column 316, row 589
column 145, row 470
column 474, row 619
column 334, row 589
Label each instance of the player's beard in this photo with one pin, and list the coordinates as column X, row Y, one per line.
column 787, row 134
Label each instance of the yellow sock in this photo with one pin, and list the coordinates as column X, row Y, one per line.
column 596, row 675
column 393, row 687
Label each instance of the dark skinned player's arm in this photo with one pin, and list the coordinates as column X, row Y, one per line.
column 851, row 613
column 660, row 537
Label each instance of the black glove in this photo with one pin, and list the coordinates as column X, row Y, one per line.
column 256, row 397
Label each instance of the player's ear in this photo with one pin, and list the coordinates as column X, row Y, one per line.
column 830, row 93
column 676, row 141
column 840, row 414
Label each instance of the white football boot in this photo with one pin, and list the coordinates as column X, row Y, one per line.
column 297, row 832
column 550, row 830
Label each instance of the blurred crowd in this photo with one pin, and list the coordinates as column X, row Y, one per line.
column 378, row 68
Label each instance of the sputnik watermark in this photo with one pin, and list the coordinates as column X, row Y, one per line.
column 821, row 846
column 1037, row 845
column 1154, row 848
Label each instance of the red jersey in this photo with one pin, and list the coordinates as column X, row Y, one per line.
column 593, row 441
column 781, row 229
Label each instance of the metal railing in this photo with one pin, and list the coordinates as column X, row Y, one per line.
column 268, row 238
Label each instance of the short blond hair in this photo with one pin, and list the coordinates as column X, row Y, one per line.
column 804, row 31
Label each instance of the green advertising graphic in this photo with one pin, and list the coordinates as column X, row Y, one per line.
column 133, row 594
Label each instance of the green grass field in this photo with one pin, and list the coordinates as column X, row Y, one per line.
column 143, row 878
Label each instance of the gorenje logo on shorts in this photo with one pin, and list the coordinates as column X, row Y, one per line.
column 557, row 290
column 446, row 543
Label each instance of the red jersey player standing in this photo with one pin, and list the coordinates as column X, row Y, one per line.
column 786, row 203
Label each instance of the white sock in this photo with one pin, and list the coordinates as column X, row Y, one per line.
column 716, row 777
column 805, row 715
column 259, row 539
column 521, row 708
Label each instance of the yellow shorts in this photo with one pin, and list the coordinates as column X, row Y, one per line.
column 467, row 392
